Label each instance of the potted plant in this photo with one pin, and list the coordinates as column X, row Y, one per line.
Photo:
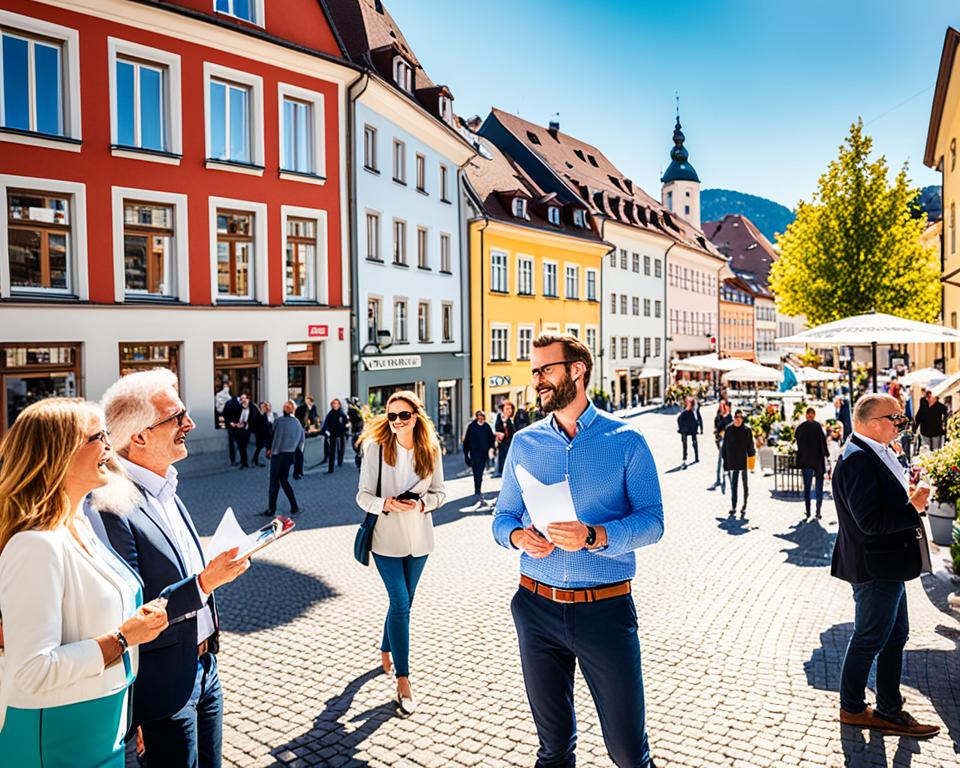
column 943, row 469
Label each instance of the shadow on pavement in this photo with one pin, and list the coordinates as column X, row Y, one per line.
column 329, row 738
column 735, row 526
column 251, row 603
column 938, row 589
column 927, row 671
column 814, row 544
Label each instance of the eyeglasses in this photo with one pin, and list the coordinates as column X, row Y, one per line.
column 544, row 370
column 179, row 416
column 103, row 436
column 895, row 418
column 402, row 415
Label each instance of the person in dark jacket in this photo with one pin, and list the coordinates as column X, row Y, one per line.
column 931, row 422
column 505, row 429
column 721, row 421
column 811, row 457
column 880, row 544
column 688, row 424
column 287, row 441
column 355, row 417
column 236, row 415
column 477, row 444
column 335, row 430
column 261, row 427
column 522, row 419
column 737, row 446
column 842, row 405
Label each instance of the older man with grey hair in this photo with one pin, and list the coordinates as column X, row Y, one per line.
column 881, row 544
column 177, row 698
column 288, row 439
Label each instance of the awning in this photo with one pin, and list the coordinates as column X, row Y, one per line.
column 748, row 371
column 925, row 377
column 646, row 373
column 948, row 386
column 813, row 375
column 709, row 362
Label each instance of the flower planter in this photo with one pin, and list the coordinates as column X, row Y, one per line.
column 941, row 517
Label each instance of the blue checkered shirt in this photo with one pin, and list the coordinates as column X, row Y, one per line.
column 613, row 481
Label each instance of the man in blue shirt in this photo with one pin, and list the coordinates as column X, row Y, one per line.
column 574, row 603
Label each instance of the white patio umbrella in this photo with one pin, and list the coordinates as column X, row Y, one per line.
column 708, row 362
column 812, row 374
column 752, row 372
column 870, row 329
column 925, row 377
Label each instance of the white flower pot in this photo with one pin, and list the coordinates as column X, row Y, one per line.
column 941, row 517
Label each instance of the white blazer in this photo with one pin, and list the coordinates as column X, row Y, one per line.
column 54, row 599
column 399, row 534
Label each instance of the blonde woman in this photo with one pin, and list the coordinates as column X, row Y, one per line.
column 401, row 481
column 71, row 608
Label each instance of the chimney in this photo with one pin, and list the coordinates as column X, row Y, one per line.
column 554, row 128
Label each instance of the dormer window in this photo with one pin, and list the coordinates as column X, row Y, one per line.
column 520, row 208
column 446, row 109
column 402, row 74
column 579, row 218
column 553, row 215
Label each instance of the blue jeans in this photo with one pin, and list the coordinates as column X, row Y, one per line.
column 721, row 475
column 191, row 738
column 880, row 630
column 809, row 475
column 602, row 637
column 400, row 576
column 696, row 448
column 735, row 475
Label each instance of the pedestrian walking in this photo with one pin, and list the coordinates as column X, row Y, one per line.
column 401, row 481
column 931, row 422
column 355, row 417
column 721, row 421
column 689, row 424
column 177, row 697
column 236, row 414
column 262, row 429
column 288, row 437
column 504, row 431
column 737, row 446
column 881, row 544
column 73, row 612
column 574, row 604
column 335, row 431
column 522, row 418
column 842, row 406
column 811, row 458
column 478, row 443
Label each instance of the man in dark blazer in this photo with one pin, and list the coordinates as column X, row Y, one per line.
column 238, row 418
column 177, row 700
column 811, row 457
column 880, row 544
column 477, row 444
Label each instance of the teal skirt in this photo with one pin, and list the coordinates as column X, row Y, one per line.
column 88, row 734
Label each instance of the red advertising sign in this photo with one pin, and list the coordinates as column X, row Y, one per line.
column 340, row 332
column 317, row 331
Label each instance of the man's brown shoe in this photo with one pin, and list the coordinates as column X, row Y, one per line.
column 901, row 724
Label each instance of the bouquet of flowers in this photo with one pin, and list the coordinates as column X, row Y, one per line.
column 943, row 469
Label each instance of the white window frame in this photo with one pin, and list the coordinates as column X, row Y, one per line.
column 446, row 253
column 522, row 330
column 258, row 12
column 378, row 252
column 370, row 147
column 315, row 100
column 576, row 281
column 647, row 307
column 261, row 293
column 172, row 99
column 572, row 329
column 499, row 265
column 78, row 283
column 399, row 154
column 556, row 291
column 423, row 259
column 521, row 262
column 426, row 339
column 420, row 167
column 505, row 328
column 444, row 183
column 213, row 71
column 180, row 289
column 318, row 279
column 553, row 215
column 579, row 217
column 397, row 337
column 657, row 308
column 379, row 319
column 519, row 208
column 445, row 307
column 594, row 331
column 591, row 296
column 69, row 40
column 402, row 74
column 637, row 342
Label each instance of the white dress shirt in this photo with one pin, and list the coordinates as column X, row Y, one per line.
column 161, row 493
column 889, row 458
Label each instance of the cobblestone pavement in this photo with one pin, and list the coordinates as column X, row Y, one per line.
column 741, row 626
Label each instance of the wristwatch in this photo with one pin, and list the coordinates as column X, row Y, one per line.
column 121, row 640
column 591, row 536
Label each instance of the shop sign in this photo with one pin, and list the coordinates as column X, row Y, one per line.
column 391, row 363
column 317, row 331
column 499, row 381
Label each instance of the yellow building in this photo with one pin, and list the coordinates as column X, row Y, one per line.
column 534, row 268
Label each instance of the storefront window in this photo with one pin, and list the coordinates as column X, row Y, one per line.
column 39, row 240
column 377, row 396
column 32, row 372
column 236, row 364
column 136, row 356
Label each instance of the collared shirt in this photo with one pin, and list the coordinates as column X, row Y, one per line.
column 613, row 482
column 161, row 492
column 889, row 458
column 244, row 415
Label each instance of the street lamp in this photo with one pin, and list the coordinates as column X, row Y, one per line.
column 384, row 342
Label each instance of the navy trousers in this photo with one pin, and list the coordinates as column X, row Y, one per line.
column 602, row 637
column 880, row 631
column 809, row 476
column 191, row 738
column 280, row 464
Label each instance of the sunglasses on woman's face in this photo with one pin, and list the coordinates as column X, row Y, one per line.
column 402, row 415
column 102, row 436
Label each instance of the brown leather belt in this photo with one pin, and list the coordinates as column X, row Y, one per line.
column 589, row 595
column 203, row 648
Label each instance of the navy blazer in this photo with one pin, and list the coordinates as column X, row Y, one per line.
column 168, row 664
column 880, row 530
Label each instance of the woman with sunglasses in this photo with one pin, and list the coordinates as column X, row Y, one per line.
column 401, row 481
column 72, row 613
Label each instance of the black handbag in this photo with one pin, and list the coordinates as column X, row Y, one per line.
column 364, row 538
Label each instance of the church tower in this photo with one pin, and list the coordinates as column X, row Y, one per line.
column 680, row 193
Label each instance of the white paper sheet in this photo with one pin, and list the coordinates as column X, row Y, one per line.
column 546, row 504
column 228, row 535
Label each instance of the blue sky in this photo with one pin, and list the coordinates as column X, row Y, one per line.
column 767, row 89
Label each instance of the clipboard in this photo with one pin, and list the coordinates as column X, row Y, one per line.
column 265, row 536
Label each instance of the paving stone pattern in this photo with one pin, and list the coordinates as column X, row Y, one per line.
column 741, row 626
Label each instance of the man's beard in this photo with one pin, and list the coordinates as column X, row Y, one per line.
column 564, row 393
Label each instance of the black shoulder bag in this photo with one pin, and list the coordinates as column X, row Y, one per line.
column 364, row 539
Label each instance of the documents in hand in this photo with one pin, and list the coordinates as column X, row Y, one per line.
column 229, row 534
column 546, row 504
